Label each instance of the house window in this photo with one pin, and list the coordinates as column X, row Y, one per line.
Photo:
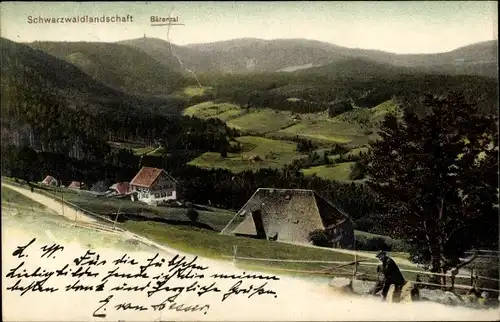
column 169, row 193
column 157, row 195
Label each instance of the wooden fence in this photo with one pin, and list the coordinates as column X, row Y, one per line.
column 340, row 271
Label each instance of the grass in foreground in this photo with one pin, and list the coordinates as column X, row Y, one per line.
column 214, row 245
column 272, row 154
column 16, row 199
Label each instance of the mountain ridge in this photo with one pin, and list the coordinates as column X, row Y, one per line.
column 260, row 55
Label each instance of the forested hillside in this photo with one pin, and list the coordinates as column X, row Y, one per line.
column 317, row 89
column 122, row 67
column 62, row 109
column 251, row 55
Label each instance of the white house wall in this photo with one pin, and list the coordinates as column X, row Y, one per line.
column 163, row 189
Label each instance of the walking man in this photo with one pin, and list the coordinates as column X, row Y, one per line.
column 390, row 275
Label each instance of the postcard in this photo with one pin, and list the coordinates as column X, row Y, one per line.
column 249, row 161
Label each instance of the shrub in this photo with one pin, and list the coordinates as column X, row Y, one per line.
column 375, row 243
column 358, row 171
column 319, row 238
column 372, row 244
column 192, row 214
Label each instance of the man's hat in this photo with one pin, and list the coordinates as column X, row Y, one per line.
column 382, row 254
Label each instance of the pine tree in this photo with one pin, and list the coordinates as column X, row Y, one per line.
column 435, row 178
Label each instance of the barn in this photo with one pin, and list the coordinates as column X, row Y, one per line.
column 290, row 215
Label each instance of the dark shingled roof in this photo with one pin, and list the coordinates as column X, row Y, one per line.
column 147, row 176
column 292, row 214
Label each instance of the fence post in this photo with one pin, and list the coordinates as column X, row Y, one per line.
column 355, row 269
column 62, row 202
column 235, row 250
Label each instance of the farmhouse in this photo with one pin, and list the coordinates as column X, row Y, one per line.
column 76, row 185
column 50, row 181
column 289, row 216
column 120, row 188
column 153, row 186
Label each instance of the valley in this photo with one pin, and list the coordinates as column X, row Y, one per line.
column 289, row 114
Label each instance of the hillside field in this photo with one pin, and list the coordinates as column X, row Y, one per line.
column 194, row 90
column 329, row 131
column 205, row 110
column 262, row 121
column 272, row 154
column 369, row 117
column 339, row 171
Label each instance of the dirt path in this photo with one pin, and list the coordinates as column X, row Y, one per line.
column 69, row 212
column 52, row 204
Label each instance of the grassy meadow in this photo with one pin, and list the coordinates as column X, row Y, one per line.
column 270, row 153
column 336, row 171
column 205, row 110
column 369, row 117
column 214, row 245
column 329, row 131
column 262, row 121
column 194, row 90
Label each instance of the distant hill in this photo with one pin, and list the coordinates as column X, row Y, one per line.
column 121, row 67
column 27, row 72
column 59, row 106
column 165, row 53
column 25, row 69
column 357, row 68
column 257, row 55
column 30, row 70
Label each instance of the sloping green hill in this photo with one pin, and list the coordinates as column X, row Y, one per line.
column 119, row 66
column 257, row 153
column 222, row 111
column 370, row 117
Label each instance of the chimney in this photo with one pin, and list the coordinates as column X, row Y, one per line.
column 259, row 224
